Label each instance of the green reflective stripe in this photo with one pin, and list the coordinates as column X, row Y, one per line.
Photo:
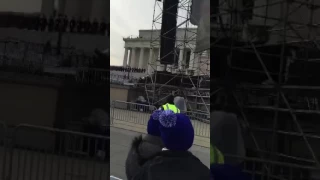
column 170, row 107
column 211, row 155
column 216, row 156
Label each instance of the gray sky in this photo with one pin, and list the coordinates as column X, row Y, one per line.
column 127, row 17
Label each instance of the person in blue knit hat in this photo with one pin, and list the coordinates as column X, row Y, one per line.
column 174, row 161
column 143, row 148
column 177, row 132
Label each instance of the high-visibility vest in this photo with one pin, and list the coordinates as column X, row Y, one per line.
column 171, row 107
column 216, row 156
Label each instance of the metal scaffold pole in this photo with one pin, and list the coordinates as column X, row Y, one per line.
column 192, row 77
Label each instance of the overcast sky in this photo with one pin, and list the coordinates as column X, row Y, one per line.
column 127, row 17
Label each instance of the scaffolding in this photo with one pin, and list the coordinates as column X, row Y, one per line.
column 266, row 54
column 187, row 78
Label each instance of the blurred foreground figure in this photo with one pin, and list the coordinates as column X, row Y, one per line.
column 98, row 123
column 227, row 136
column 227, row 145
column 146, row 147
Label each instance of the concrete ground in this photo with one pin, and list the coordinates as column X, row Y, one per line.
column 120, row 141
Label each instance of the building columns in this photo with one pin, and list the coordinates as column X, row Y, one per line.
column 150, row 62
column 125, row 58
column 192, row 61
column 129, row 62
column 141, row 58
column 196, row 65
column 181, row 59
column 133, row 57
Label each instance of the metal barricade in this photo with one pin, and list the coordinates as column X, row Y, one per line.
column 48, row 153
column 131, row 112
column 92, row 75
column 200, row 122
column 140, row 114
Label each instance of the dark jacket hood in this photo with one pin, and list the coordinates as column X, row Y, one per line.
column 142, row 148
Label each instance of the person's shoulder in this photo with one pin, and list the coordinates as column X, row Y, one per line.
column 183, row 165
column 185, row 158
column 148, row 149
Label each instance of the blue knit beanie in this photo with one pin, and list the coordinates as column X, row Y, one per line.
column 153, row 123
column 177, row 132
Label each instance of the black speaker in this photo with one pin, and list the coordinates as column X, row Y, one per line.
column 168, row 31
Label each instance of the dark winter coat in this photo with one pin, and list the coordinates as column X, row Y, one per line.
column 142, row 149
column 172, row 165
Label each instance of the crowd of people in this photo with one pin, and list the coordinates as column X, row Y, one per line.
column 127, row 69
column 59, row 23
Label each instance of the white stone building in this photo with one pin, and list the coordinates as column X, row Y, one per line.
column 143, row 52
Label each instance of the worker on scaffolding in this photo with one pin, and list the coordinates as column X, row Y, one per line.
column 169, row 105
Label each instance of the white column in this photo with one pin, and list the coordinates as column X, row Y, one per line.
column 151, row 62
column 197, row 64
column 129, row 62
column 125, row 58
column 192, row 61
column 141, row 58
column 181, row 58
column 133, row 57
column 160, row 67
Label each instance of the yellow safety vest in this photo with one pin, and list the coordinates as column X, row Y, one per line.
column 216, row 156
column 171, row 107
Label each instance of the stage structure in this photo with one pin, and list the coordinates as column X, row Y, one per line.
column 174, row 66
column 265, row 57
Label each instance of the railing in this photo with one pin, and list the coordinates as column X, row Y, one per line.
column 122, row 79
column 92, row 75
column 140, row 114
column 36, row 152
column 127, row 69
